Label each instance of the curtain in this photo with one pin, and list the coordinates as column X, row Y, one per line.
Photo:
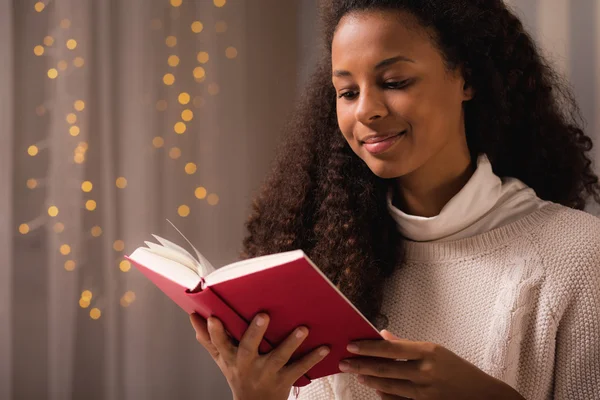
column 117, row 115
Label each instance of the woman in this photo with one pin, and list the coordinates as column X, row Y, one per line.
column 434, row 171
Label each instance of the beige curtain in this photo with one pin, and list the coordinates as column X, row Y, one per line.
column 116, row 115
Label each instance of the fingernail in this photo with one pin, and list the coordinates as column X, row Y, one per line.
column 344, row 366
column 324, row 351
column 353, row 348
column 260, row 320
column 300, row 333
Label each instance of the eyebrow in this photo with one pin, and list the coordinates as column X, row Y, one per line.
column 381, row 64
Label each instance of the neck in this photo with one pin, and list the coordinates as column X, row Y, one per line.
column 425, row 191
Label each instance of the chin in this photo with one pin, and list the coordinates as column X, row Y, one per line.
column 387, row 169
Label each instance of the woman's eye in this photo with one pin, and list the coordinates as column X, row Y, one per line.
column 347, row 95
column 397, row 84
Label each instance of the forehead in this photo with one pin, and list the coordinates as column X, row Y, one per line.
column 371, row 35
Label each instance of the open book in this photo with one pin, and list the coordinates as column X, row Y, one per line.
column 287, row 286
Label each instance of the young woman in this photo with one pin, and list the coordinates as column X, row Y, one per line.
column 434, row 171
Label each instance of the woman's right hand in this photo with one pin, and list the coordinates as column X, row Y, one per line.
column 252, row 376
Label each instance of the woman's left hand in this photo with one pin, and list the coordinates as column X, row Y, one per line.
column 430, row 372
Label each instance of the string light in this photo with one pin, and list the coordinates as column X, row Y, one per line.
column 86, row 294
column 74, row 130
column 169, row 79
column 190, row 168
column 187, row 115
column 71, row 118
column 96, row 231
column 127, row 299
column 171, row 41
column 48, row 41
column 79, row 158
column 86, row 186
column 78, row 62
column 95, row 313
column 175, row 153
column 183, row 210
column 71, row 44
column 221, row 27
column 38, row 50
column 65, row 23
column 52, row 73
column 197, row 27
column 59, row 227
column 39, row 6
column 183, row 98
column 119, row 245
column 180, row 128
column 65, row 249
column 124, row 266
column 90, row 205
column 158, row 142
column 213, row 89
column 24, row 229
column 121, row 182
column 202, row 57
column 199, row 73
column 83, row 303
column 53, row 211
column 200, row 192
column 79, row 105
column 32, row 183
column 231, row 52
column 219, row 3
column 69, row 265
column 32, row 150
column 173, row 60
column 212, row 199
column 175, row 3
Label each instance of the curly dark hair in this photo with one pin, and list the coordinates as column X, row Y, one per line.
column 322, row 198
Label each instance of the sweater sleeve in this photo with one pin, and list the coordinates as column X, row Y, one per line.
column 577, row 359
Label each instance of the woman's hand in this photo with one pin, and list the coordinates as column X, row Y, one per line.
column 430, row 372
column 252, row 376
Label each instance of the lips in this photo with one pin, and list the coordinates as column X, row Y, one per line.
column 380, row 137
column 377, row 144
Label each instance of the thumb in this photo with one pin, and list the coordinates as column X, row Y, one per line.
column 387, row 335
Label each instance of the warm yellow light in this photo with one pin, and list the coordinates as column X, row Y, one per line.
column 197, row 27
column 53, row 211
column 221, row 26
column 183, row 210
column 48, row 40
column 86, row 294
column 95, row 313
column 199, row 101
column 190, row 168
column 231, row 52
column 24, row 229
column 90, row 205
column 74, row 130
column 183, row 98
column 96, row 231
column 169, row 79
column 171, row 41
column 78, row 62
column 202, row 57
column 52, row 73
column 158, row 142
column 173, row 60
column 71, row 44
column 65, row 23
column 79, row 158
column 59, row 227
column 38, row 50
column 40, row 110
column 82, row 145
column 200, row 192
column 129, row 296
column 121, row 182
column 69, row 265
column 83, row 303
column 32, row 150
column 62, row 65
column 124, row 266
column 39, row 6
column 213, row 89
column 123, row 302
column 71, row 118
column 175, row 153
column 119, row 245
column 32, row 183
column 87, row 186
column 219, row 3
column 175, row 3
column 179, row 128
column 161, row 105
column 187, row 115
column 65, row 249
column 79, row 105
column 212, row 199
column 199, row 73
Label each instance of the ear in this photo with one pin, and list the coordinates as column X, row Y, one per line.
column 468, row 92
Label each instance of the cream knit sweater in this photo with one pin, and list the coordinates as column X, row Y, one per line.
column 521, row 302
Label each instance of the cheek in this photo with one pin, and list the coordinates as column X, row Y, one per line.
column 346, row 123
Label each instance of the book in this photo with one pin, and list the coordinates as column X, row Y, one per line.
column 287, row 286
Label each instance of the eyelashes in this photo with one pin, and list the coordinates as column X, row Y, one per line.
column 393, row 85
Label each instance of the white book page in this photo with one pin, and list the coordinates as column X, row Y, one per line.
column 206, row 267
column 166, row 267
column 174, row 255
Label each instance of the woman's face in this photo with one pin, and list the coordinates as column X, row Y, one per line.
column 398, row 106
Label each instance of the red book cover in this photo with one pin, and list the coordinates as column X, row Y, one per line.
column 294, row 293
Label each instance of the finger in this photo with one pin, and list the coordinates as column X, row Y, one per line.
column 202, row 335
column 394, row 349
column 220, row 340
column 298, row 368
column 387, row 396
column 280, row 356
column 248, row 347
column 395, row 387
column 382, row 368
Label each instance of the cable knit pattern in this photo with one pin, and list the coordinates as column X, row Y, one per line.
column 521, row 302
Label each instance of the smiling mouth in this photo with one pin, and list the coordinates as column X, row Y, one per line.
column 377, row 145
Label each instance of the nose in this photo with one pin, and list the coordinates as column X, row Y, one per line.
column 371, row 107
